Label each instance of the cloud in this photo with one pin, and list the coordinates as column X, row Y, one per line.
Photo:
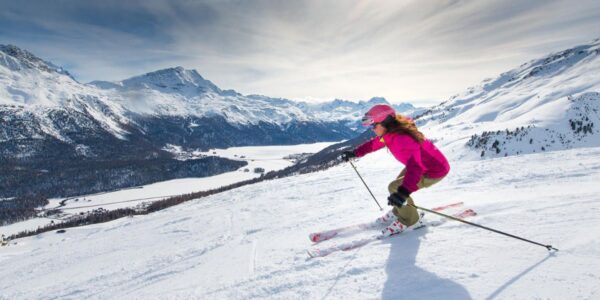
column 401, row 50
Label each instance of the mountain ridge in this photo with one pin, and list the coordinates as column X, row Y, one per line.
column 540, row 99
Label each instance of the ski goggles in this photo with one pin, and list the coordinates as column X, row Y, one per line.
column 368, row 121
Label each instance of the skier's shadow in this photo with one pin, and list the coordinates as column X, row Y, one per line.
column 500, row 289
column 407, row 281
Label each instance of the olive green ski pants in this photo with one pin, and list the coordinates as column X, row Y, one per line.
column 407, row 214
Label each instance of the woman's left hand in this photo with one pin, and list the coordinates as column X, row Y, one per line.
column 399, row 197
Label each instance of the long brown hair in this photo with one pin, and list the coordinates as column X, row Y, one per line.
column 403, row 125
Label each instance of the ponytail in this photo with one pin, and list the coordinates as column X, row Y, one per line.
column 403, row 125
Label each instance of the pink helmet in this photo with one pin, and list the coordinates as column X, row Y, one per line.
column 377, row 114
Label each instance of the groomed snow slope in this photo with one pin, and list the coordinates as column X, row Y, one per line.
column 250, row 243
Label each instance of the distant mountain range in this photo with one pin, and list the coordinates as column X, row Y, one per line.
column 177, row 92
column 43, row 103
column 49, row 118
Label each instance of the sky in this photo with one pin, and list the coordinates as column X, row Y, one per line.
column 421, row 52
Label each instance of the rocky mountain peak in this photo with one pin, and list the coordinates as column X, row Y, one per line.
column 17, row 59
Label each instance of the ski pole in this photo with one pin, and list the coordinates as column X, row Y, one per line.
column 549, row 247
column 368, row 189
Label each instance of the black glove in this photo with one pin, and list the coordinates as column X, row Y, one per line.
column 399, row 197
column 347, row 155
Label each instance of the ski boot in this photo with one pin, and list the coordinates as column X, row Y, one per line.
column 386, row 219
column 397, row 227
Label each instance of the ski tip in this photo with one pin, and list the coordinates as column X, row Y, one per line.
column 471, row 212
column 455, row 204
column 322, row 236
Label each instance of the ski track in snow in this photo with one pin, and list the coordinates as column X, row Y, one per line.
column 250, row 242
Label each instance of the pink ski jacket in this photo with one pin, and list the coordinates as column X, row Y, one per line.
column 420, row 159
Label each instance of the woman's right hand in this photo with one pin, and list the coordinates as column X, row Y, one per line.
column 347, row 155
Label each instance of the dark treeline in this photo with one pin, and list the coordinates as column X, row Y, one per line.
column 32, row 184
column 20, row 208
column 96, row 216
column 70, row 178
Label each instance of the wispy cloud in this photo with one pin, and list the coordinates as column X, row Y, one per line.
column 402, row 50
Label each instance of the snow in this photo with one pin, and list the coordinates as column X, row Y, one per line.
column 545, row 93
column 269, row 158
column 181, row 92
column 250, row 242
column 37, row 87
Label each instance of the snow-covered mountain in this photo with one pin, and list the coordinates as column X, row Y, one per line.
column 17, row 59
column 173, row 80
column 171, row 96
column 34, row 91
column 48, row 117
column 179, row 107
column 546, row 104
column 180, row 92
column 41, row 104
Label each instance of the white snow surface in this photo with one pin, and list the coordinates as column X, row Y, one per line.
column 250, row 242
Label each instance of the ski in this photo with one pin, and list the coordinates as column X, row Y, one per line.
column 328, row 234
column 320, row 252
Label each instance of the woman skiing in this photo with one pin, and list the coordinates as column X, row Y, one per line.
column 424, row 164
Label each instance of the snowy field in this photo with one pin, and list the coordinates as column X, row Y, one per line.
column 250, row 243
column 270, row 158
